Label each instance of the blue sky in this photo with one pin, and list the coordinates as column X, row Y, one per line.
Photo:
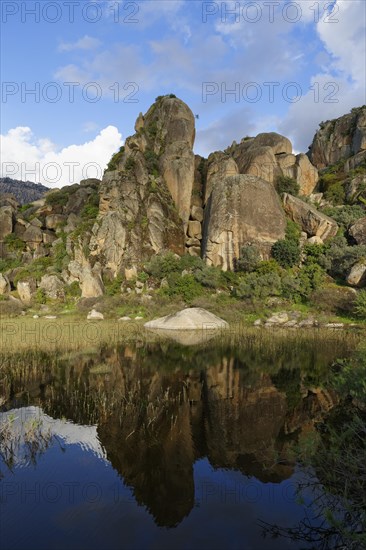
column 290, row 64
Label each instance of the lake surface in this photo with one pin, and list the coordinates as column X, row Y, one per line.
column 159, row 445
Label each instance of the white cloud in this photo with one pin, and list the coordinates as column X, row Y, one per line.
column 25, row 157
column 344, row 41
column 345, row 38
column 84, row 43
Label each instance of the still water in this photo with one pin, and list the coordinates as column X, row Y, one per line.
column 159, row 445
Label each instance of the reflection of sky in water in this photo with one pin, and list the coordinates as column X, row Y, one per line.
column 73, row 498
column 66, row 432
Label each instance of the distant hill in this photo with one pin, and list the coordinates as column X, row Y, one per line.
column 23, row 191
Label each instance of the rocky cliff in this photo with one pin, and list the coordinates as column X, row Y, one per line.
column 343, row 138
column 156, row 196
column 23, row 191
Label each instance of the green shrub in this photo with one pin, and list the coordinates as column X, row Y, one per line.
column 314, row 252
column 162, row 265
column 112, row 288
column 115, row 160
column 256, row 286
column 130, row 163
column 9, row 263
column 339, row 257
column 152, row 129
column 346, row 215
column 73, row 290
column 293, row 231
column 59, row 254
column 286, row 253
column 143, row 277
column 249, row 258
column 34, row 270
column 14, row 243
column 90, row 212
column 191, row 262
column 287, row 185
column 360, row 304
column 336, row 193
column 268, row 266
column 152, row 162
column 25, row 207
column 208, row 276
column 40, row 296
column 57, row 198
column 184, row 286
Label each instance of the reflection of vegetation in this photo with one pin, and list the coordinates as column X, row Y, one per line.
column 149, row 400
column 338, row 460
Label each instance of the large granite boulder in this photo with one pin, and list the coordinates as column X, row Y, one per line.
column 4, row 284
column 358, row 231
column 52, row 286
column 90, row 280
column 357, row 275
column 355, row 188
column 278, row 144
column 193, row 318
column 269, row 156
column 26, row 290
column 306, row 175
column 32, row 235
column 219, row 166
column 243, row 209
column 53, row 221
column 312, row 222
column 339, row 139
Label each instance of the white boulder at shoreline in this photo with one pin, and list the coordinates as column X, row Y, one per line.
column 193, row 318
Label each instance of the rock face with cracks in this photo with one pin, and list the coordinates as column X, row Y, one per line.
column 242, row 210
column 145, row 201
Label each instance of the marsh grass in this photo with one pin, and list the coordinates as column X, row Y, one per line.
column 22, row 442
column 62, row 335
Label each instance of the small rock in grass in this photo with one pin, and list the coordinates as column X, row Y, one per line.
column 94, row 315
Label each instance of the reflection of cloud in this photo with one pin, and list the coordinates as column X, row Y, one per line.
column 66, row 432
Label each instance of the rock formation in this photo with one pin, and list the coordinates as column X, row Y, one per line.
column 358, row 231
column 242, row 210
column 145, row 202
column 192, row 318
column 340, row 139
column 269, row 156
column 157, row 196
column 312, row 222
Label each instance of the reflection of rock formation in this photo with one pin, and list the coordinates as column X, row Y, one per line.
column 218, row 415
column 242, row 424
column 157, row 463
column 161, row 407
